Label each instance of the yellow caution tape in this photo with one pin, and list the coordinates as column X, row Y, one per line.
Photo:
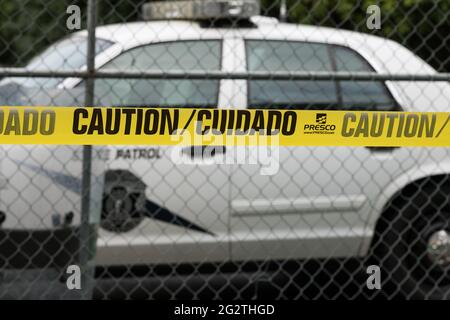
column 173, row 126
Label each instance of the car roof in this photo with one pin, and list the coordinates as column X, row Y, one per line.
column 160, row 30
column 389, row 56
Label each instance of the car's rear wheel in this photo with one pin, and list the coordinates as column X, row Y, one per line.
column 414, row 249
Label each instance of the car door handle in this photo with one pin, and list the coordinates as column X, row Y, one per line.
column 382, row 149
column 203, row 151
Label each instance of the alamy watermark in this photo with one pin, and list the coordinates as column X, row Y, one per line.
column 73, row 281
column 373, row 281
column 373, row 21
column 73, row 21
column 210, row 148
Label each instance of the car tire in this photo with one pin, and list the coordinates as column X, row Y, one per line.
column 414, row 249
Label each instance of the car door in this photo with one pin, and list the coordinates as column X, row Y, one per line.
column 317, row 203
column 181, row 211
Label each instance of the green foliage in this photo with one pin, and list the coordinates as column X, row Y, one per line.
column 421, row 25
column 26, row 27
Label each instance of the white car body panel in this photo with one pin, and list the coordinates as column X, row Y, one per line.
column 324, row 201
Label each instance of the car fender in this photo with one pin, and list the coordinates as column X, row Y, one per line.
column 413, row 174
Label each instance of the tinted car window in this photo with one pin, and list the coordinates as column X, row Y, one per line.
column 285, row 55
column 67, row 54
column 272, row 56
column 371, row 95
column 182, row 55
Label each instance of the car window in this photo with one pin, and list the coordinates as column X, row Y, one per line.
column 369, row 95
column 181, row 55
column 272, row 56
column 67, row 54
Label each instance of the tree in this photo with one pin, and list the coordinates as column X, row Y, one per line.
column 421, row 25
column 26, row 27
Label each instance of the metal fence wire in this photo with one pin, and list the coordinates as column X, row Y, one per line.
column 290, row 223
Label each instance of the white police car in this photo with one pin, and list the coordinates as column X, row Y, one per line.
column 323, row 201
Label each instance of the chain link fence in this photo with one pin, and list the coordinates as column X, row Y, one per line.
column 289, row 222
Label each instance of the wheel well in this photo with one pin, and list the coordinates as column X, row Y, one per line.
column 393, row 206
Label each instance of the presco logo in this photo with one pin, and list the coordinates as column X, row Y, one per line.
column 320, row 127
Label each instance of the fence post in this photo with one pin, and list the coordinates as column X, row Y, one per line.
column 85, row 229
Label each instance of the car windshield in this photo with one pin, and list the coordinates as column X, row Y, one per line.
column 67, row 54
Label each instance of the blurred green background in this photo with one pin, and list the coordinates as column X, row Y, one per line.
column 28, row 26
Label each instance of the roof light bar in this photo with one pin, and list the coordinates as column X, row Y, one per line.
column 200, row 9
